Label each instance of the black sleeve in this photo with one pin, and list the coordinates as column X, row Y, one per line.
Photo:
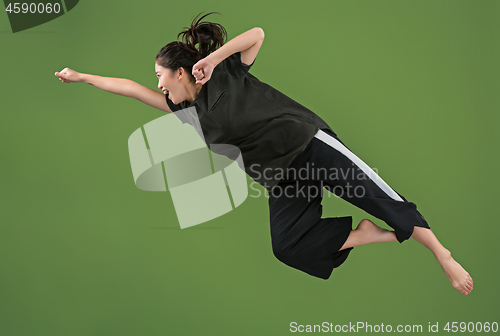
column 173, row 106
column 235, row 67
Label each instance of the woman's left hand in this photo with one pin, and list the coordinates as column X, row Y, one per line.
column 202, row 70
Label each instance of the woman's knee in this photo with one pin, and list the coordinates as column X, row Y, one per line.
column 283, row 254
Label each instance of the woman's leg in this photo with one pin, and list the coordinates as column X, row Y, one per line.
column 300, row 237
column 380, row 200
column 459, row 278
column 367, row 232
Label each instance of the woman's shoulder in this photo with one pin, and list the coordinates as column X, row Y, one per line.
column 234, row 67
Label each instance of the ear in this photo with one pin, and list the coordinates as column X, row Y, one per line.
column 181, row 72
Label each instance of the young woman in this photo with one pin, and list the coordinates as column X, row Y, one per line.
column 286, row 148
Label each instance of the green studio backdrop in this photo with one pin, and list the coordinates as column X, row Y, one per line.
column 410, row 86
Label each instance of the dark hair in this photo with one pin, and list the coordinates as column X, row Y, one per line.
column 209, row 37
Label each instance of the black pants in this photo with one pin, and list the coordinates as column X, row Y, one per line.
column 307, row 242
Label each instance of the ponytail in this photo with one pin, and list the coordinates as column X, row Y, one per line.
column 183, row 53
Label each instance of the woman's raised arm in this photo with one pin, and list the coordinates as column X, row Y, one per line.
column 247, row 43
column 121, row 86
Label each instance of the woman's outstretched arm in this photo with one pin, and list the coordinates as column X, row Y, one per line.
column 248, row 44
column 121, row 86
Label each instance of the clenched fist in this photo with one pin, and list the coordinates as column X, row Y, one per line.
column 69, row 76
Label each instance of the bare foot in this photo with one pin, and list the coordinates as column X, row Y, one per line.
column 459, row 278
column 371, row 233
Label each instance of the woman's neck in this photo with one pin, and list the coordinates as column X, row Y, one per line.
column 193, row 91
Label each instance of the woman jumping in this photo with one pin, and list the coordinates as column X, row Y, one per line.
column 286, row 148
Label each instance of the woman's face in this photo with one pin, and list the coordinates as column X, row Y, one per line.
column 169, row 84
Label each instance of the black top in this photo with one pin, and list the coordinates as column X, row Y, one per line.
column 269, row 128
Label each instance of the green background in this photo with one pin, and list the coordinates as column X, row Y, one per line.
column 411, row 87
